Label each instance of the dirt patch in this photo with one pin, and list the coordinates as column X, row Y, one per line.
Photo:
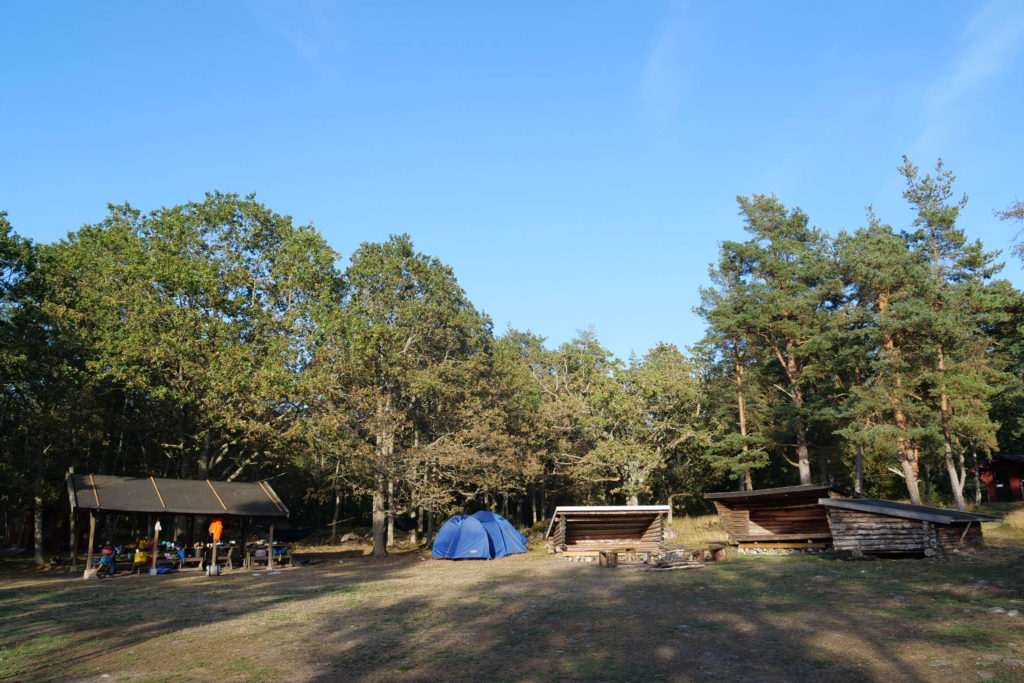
column 525, row 617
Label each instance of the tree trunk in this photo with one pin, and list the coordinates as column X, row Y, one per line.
column 379, row 517
column 37, row 509
column 956, row 479
column 337, row 501
column 334, row 518
column 927, row 485
column 858, row 484
column 385, row 444
column 391, row 511
column 977, row 480
column 746, row 482
column 533, row 503
column 908, row 461
column 803, row 458
column 631, row 499
column 905, row 450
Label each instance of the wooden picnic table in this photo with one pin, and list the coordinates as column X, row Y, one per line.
column 280, row 559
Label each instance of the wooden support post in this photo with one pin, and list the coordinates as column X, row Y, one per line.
column 74, row 542
column 92, row 540
column 156, row 545
column 967, row 528
column 244, row 545
column 270, row 554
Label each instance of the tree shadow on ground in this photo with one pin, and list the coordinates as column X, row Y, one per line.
column 528, row 618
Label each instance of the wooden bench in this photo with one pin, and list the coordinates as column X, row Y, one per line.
column 279, row 561
column 609, row 557
column 190, row 562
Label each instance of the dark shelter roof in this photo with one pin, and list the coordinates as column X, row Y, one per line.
column 776, row 495
column 891, row 508
column 1008, row 457
column 174, row 496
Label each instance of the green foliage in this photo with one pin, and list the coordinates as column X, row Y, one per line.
column 217, row 339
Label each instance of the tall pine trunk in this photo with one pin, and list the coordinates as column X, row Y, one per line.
column 746, row 482
column 858, row 483
column 905, row 450
column 957, row 479
column 796, row 397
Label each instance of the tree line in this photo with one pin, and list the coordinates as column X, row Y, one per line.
column 217, row 339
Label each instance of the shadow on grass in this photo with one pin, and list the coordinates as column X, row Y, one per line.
column 527, row 618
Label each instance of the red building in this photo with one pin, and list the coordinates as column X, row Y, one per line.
column 1001, row 478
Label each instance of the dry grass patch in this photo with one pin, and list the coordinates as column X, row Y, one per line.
column 698, row 529
column 348, row 617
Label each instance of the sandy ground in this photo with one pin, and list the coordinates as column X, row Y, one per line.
column 526, row 617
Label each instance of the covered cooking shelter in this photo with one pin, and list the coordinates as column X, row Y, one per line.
column 785, row 517
column 150, row 495
column 591, row 529
column 874, row 526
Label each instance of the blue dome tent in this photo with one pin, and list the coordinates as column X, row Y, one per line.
column 482, row 536
column 505, row 540
column 462, row 538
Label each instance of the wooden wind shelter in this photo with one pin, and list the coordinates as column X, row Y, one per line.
column 149, row 495
column 873, row 526
column 821, row 516
column 589, row 530
column 789, row 516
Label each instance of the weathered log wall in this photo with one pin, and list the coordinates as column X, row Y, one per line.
column 869, row 533
column 953, row 536
column 583, row 532
column 747, row 523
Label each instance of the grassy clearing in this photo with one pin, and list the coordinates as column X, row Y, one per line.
column 699, row 528
column 346, row 616
column 1014, row 521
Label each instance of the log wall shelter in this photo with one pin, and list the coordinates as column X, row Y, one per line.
column 596, row 528
column 872, row 526
column 790, row 516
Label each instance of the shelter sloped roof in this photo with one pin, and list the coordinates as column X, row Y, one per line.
column 174, row 496
column 891, row 508
column 1010, row 457
column 783, row 493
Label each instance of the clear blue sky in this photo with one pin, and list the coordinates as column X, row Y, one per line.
column 576, row 163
